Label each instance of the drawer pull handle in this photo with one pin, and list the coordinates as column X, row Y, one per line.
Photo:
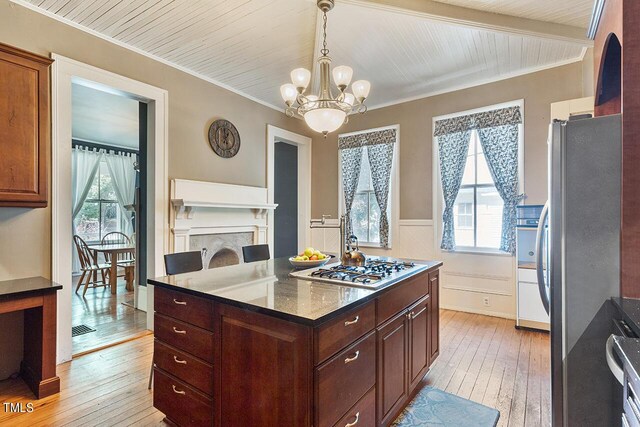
column 179, row 331
column 351, row 359
column 179, row 302
column 176, row 391
column 355, row 422
column 182, row 362
column 351, row 322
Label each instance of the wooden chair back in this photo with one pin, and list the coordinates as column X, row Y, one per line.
column 113, row 238
column 183, row 262
column 254, row 253
column 84, row 254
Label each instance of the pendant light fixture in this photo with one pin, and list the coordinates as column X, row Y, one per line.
column 323, row 112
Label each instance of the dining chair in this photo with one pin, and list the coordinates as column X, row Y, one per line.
column 126, row 260
column 89, row 266
column 183, row 262
column 254, row 253
column 178, row 263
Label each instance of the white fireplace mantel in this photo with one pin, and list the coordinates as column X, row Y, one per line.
column 187, row 195
column 184, row 208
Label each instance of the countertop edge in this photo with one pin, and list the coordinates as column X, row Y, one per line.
column 626, row 316
column 291, row 317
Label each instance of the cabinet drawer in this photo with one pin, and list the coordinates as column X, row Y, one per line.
column 336, row 334
column 181, row 306
column 184, row 367
column 402, row 296
column 344, row 379
column 362, row 414
column 191, row 339
column 180, row 403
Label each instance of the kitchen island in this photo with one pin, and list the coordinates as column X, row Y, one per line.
column 250, row 345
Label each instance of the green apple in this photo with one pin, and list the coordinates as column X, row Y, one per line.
column 305, row 258
column 308, row 252
column 322, row 256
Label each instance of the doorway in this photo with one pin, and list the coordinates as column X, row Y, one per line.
column 289, row 146
column 108, row 174
column 153, row 159
column 286, row 197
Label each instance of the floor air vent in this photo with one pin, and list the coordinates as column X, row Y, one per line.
column 80, row 330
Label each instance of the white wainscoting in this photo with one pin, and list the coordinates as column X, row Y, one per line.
column 467, row 279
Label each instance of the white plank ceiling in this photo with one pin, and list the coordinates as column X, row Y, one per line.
column 250, row 46
column 105, row 118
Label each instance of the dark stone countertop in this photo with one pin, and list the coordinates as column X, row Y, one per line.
column 15, row 287
column 630, row 309
column 629, row 351
column 266, row 287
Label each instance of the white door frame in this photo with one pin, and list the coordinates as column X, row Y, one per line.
column 276, row 134
column 64, row 72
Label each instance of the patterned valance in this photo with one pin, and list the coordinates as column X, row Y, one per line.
column 387, row 136
column 485, row 119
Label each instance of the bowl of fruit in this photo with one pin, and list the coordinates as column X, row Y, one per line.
column 309, row 258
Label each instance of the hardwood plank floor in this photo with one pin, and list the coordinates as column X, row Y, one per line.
column 487, row 360
column 113, row 320
column 482, row 358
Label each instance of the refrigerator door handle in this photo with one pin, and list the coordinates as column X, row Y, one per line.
column 542, row 287
column 616, row 370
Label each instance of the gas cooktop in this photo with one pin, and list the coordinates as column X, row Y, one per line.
column 374, row 274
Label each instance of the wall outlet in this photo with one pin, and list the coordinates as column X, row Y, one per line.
column 485, row 301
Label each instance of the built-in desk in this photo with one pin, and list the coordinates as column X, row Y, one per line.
column 36, row 297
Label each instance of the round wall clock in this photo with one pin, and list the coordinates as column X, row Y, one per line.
column 224, row 138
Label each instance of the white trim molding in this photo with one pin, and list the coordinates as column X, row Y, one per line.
column 276, row 134
column 66, row 71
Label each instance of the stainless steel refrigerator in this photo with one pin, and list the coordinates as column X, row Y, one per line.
column 579, row 267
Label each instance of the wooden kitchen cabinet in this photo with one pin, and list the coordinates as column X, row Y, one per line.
column 419, row 318
column 393, row 360
column 25, row 127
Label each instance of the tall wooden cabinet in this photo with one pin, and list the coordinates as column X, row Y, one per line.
column 25, row 127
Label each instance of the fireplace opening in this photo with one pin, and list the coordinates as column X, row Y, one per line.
column 224, row 257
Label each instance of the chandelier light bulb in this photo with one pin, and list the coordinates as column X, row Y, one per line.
column 361, row 89
column 289, row 93
column 300, row 77
column 325, row 120
column 342, row 76
column 349, row 98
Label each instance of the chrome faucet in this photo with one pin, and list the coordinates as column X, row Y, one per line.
column 321, row 223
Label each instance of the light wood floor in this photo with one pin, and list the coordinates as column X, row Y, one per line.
column 482, row 358
column 107, row 314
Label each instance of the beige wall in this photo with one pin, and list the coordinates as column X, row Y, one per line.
column 193, row 104
column 539, row 90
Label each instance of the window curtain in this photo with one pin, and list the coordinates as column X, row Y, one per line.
column 351, row 160
column 123, row 175
column 498, row 133
column 500, row 146
column 452, row 150
column 380, row 147
column 84, row 166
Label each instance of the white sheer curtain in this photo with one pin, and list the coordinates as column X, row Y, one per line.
column 123, row 175
column 84, row 166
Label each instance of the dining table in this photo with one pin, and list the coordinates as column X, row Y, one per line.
column 113, row 250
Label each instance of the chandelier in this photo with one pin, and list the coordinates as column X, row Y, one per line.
column 324, row 112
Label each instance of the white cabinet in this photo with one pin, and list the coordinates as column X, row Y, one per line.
column 531, row 312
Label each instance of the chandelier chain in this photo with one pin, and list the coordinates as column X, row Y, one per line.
column 324, row 50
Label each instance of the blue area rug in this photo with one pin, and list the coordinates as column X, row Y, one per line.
column 433, row 407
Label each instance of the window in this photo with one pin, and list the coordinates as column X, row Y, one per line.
column 365, row 212
column 478, row 207
column 100, row 213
